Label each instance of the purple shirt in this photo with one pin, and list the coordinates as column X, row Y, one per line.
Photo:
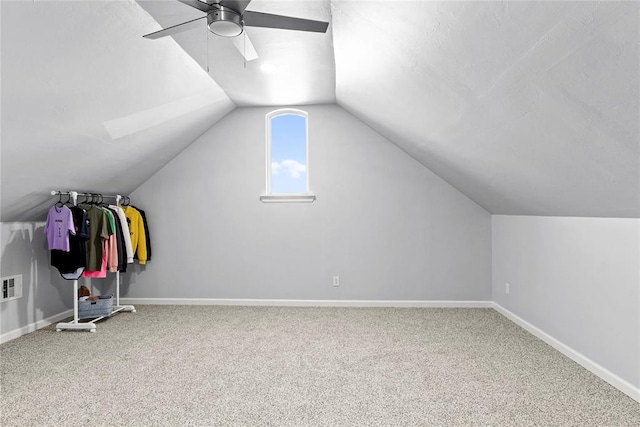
column 58, row 226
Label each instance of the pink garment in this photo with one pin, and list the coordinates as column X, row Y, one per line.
column 112, row 246
column 103, row 268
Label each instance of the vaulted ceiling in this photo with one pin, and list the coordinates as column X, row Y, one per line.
column 88, row 104
column 527, row 107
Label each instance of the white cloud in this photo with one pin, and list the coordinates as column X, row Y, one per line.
column 295, row 168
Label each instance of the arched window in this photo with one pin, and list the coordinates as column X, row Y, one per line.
column 287, row 156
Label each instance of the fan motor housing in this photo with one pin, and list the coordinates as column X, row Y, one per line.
column 225, row 22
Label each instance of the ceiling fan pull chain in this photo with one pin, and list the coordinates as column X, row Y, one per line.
column 207, row 51
column 244, row 48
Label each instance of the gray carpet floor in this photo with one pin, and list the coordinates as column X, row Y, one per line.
column 289, row 366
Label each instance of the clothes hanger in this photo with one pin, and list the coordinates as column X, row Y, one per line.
column 59, row 203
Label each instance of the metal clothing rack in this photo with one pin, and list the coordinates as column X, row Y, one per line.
column 90, row 325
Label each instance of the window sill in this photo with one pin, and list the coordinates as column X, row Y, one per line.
column 288, row 198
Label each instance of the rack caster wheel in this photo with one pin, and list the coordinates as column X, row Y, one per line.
column 58, row 330
column 93, row 331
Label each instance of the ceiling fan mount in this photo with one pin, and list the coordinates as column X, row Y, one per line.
column 228, row 18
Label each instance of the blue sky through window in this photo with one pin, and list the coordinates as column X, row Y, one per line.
column 288, row 154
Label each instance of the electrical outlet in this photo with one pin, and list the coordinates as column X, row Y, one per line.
column 507, row 288
column 336, row 280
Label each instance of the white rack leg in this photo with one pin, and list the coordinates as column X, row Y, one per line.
column 75, row 301
column 119, row 307
column 75, row 324
column 88, row 326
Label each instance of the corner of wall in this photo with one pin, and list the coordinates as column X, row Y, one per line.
column 573, row 274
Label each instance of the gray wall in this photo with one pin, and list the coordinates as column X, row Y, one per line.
column 578, row 280
column 23, row 251
column 390, row 228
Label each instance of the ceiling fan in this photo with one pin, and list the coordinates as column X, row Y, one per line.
column 227, row 18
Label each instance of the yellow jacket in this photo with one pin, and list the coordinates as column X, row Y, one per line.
column 136, row 231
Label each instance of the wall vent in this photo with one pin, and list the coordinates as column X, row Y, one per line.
column 11, row 288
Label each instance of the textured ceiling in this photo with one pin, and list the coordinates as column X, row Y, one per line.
column 89, row 105
column 527, row 107
column 305, row 73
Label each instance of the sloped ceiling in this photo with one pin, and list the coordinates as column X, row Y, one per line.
column 305, row 73
column 527, row 107
column 89, row 105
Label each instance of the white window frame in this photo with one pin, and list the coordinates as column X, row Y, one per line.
column 286, row 197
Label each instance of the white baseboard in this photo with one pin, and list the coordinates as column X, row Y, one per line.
column 591, row 366
column 16, row 333
column 306, row 303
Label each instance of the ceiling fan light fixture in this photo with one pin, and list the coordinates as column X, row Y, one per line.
column 224, row 22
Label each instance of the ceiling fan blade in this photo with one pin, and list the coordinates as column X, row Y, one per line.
column 237, row 5
column 267, row 20
column 244, row 45
column 198, row 5
column 185, row 26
